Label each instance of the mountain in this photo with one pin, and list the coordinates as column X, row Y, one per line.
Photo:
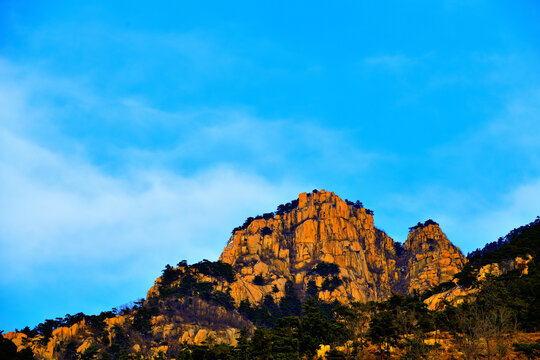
column 322, row 243
column 317, row 246
column 429, row 258
column 507, row 260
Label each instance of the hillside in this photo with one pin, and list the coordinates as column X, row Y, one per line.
column 323, row 231
column 318, row 259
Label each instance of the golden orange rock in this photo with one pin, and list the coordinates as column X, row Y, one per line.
column 324, row 228
column 270, row 254
column 432, row 258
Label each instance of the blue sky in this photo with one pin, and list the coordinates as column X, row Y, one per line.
column 136, row 134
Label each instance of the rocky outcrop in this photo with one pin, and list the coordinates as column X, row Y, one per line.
column 459, row 294
column 430, row 258
column 454, row 297
column 49, row 349
column 318, row 245
column 497, row 269
column 199, row 335
column 19, row 339
column 324, row 228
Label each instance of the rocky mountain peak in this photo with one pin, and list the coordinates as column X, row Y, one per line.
column 317, row 245
column 321, row 228
column 318, row 227
column 323, row 246
column 430, row 258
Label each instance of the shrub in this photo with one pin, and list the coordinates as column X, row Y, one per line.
column 267, row 216
column 325, row 269
column 258, row 280
column 467, row 276
column 331, row 283
column 398, row 247
column 215, row 268
column 266, row 231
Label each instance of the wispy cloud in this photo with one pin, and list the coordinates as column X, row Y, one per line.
column 50, row 201
column 65, row 222
column 70, row 217
column 469, row 220
column 133, row 132
column 67, row 219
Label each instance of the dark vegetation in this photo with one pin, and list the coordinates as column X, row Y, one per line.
column 522, row 241
column 398, row 247
column 216, row 269
column 401, row 322
column 358, row 204
column 290, row 329
column 259, row 280
column 329, row 271
column 94, row 322
column 293, row 328
column 188, row 287
column 325, row 269
column 8, row 350
column 521, row 292
column 290, row 337
column 422, row 225
column 283, row 209
column 266, row 231
column 184, row 281
column 529, row 351
column 479, row 326
column 331, row 283
column 269, row 312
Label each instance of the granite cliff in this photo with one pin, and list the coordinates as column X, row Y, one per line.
column 315, row 246
column 429, row 258
column 323, row 228
column 330, row 247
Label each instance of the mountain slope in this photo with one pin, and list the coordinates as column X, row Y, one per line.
column 317, row 246
column 324, row 228
column 330, row 248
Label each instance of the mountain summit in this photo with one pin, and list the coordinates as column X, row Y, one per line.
column 329, row 248
column 315, row 247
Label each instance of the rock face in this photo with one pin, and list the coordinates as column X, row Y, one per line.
column 430, row 258
column 49, row 349
column 454, row 296
column 457, row 294
column 324, row 228
column 318, row 245
column 497, row 269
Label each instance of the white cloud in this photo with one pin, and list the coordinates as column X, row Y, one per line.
column 80, row 239
column 85, row 237
column 469, row 220
column 56, row 208
column 519, row 207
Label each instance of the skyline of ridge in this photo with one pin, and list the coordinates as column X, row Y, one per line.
column 295, row 203
column 133, row 135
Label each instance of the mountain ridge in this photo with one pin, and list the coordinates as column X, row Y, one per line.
column 324, row 228
column 317, row 246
